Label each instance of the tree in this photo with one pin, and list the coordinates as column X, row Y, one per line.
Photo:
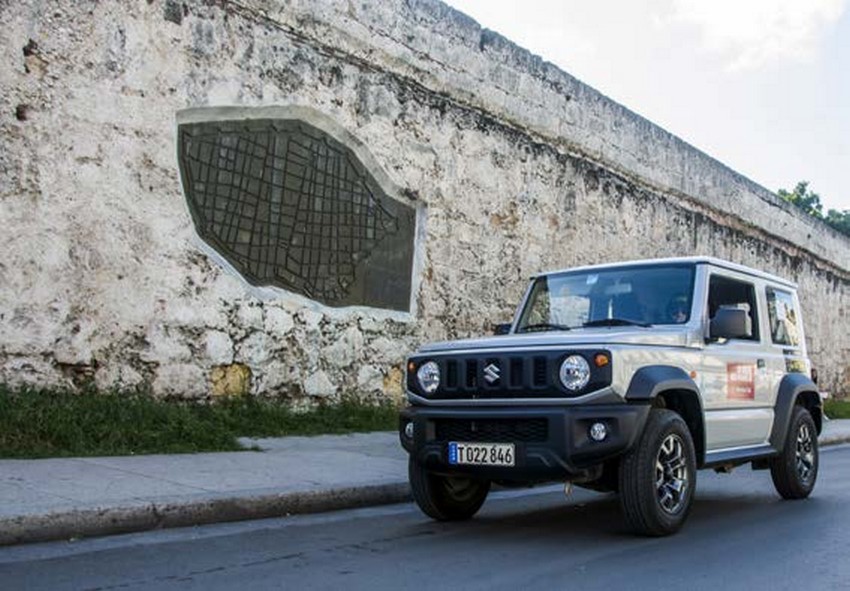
column 804, row 199
column 809, row 202
column 840, row 220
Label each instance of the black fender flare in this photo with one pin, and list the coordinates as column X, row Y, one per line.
column 650, row 381
column 790, row 389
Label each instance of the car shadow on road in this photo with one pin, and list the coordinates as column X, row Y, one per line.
column 599, row 517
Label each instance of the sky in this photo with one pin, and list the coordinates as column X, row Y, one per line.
column 761, row 85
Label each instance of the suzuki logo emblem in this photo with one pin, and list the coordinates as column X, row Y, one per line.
column 491, row 373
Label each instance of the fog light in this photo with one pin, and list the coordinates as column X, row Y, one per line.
column 408, row 430
column 598, row 431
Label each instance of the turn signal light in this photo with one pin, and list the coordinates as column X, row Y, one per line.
column 601, row 360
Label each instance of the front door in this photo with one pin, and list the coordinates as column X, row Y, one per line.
column 736, row 383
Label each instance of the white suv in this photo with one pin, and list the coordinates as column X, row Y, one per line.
column 625, row 377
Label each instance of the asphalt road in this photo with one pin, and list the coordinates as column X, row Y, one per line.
column 739, row 536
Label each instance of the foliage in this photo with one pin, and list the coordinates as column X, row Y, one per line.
column 840, row 220
column 49, row 423
column 837, row 409
column 809, row 202
column 803, row 198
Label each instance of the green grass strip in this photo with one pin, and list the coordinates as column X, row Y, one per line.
column 837, row 409
column 47, row 423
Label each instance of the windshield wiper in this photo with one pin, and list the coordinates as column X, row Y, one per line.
column 615, row 322
column 541, row 326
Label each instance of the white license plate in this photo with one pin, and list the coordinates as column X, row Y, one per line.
column 482, row 454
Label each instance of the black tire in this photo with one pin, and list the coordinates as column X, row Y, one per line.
column 795, row 470
column 657, row 503
column 446, row 498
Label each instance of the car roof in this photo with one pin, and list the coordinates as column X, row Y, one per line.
column 701, row 260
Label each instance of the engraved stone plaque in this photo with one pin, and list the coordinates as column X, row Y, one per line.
column 290, row 206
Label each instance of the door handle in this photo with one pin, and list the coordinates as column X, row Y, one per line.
column 760, row 363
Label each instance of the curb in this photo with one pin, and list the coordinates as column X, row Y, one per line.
column 121, row 520
column 834, row 440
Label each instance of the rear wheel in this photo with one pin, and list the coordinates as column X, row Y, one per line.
column 446, row 498
column 795, row 470
column 658, row 477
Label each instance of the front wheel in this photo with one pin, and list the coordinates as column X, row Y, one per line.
column 658, row 477
column 795, row 470
column 446, row 498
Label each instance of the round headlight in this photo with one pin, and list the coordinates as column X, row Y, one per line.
column 575, row 373
column 428, row 375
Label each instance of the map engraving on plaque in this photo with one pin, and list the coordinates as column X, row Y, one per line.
column 290, row 206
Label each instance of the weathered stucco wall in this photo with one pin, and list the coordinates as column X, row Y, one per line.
column 517, row 166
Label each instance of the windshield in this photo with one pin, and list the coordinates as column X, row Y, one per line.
column 640, row 296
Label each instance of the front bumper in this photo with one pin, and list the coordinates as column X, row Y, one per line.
column 552, row 443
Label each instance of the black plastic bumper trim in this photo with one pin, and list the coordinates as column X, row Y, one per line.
column 567, row 451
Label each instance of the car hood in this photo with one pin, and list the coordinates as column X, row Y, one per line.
column 601, row 336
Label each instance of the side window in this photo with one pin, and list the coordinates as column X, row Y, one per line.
column 723, row 291
column 783, row 317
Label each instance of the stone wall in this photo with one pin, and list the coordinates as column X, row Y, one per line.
column 514, row 165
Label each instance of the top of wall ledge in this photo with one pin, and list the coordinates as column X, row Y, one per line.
column 446, row 51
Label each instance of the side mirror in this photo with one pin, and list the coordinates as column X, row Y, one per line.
column 730, row 323
column 502, row 328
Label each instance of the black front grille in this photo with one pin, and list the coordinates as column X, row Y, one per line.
column 540, row 371
column 471, row 373
column 532, row 374
column 451, row 373
column 515, row 373
column 491, row 430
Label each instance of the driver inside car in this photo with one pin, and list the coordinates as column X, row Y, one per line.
column 677, row 309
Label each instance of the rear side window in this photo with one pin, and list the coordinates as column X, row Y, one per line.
column 783, row 317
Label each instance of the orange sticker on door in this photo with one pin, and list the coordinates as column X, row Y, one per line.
column 740, row 381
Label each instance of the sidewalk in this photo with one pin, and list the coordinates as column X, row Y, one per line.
column 64, row 498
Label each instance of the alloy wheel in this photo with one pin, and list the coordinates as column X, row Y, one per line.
column 805, row 453
column 671, row 474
